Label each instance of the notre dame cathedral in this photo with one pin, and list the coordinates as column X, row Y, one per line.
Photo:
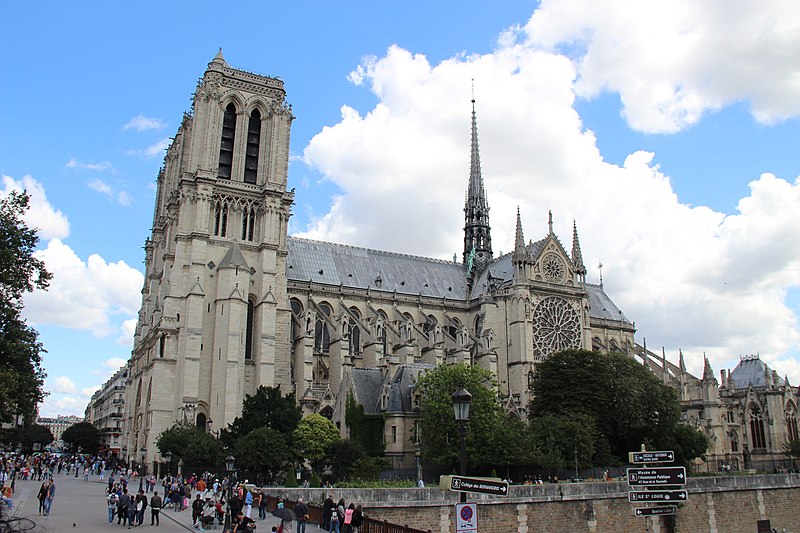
column 231, row 302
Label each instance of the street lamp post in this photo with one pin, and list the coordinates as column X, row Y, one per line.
column 168, row 459
column 461, row 402
column 143, row 467
column 230, row 463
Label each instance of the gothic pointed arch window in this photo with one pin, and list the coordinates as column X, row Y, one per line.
column 297, row 318
column 221, row 218
column 253, row 140
column 758, row 437
column 322, row 334
column 380, row 332
column 791, row 423
column 734, row 441
column 200, row 422
column 248, row 339
column 429, row 327
column 354, row 332
column 227, row 142
column 248, row 223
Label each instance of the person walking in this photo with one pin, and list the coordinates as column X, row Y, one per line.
column 111, row 501
column 141, row 505
column 327, row 511
column 42, row 496
column 123, row 503
column 248, row 503
column 51, row 494
column 358, row 519
column 155, row 508
column 301, row 513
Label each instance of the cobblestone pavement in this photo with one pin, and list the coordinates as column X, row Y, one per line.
column 80, row 506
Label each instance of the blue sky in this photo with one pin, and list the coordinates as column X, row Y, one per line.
column 667, row 130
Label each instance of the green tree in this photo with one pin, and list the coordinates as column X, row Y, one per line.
column 82, row 437
column 559, row 439
column 267, row 408
column 365, row 428
column 29, row 436
column 627, row 403
column 312, row 439
column 21, row 373
column 688, row 443
column 185, row 441
column 440, row 440
column 347, row 460
column 263, row 450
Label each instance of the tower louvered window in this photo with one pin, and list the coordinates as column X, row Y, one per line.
column 248, row 223
column 248, row 341
column 221, row 219
column 226, row 143
column 253, row 139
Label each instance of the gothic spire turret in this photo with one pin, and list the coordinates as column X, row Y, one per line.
column 519, row 238
column 577, row 257
column 477, row 233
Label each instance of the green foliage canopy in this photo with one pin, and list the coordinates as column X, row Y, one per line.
column 312, row 438
column 488, row 429
column 265, row 450
column 185, row 441
column 626, row 404
column 267, row 408
column 82, row 436
column 21, row 373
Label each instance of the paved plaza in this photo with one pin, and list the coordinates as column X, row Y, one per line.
column 81, row 506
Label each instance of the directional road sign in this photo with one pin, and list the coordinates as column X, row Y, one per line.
column 474, row 484
column 658, row 496
column 657, row 476
column 656, row 511
column 638, row 458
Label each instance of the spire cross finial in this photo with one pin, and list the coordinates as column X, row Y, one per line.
column 600, row 268
column 473, row 92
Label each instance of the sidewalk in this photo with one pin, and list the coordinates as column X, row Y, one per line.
column 184, row 518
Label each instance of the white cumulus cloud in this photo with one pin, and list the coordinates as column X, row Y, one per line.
column 673, row 60
column 143, row 123
column 689, row 276
column 65, row 385
column 51, row 222
column 84, row 295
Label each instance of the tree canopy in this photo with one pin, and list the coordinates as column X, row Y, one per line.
column 185, row 441
column 490, row 433
column 624, row 403
column 264, row 450
column 267, row 408
column 21, row 373
column 312, row 438
column 82, row 437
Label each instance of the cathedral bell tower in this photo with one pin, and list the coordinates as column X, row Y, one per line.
column 214, row 315
column 477, row 233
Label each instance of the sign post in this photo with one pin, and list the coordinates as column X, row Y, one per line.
column 656, row 476
column 478, row 485
column 656, row 511
column 658, row 496
column 638, row 458
column 466, row 517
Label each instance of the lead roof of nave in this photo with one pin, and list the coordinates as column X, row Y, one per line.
column 350, row 266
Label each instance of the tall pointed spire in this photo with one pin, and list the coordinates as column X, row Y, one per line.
column 577, row 257
column 519, row 238
column 477, row 233
column 708, row 373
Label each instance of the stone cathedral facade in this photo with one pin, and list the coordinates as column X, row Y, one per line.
column 231, row 302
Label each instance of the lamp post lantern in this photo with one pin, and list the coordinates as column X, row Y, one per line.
column 461, row 402
column 230, row 464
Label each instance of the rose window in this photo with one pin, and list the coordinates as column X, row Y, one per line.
column 556, row 327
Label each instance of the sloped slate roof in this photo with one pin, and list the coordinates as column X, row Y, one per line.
column 601, row 306
column 367, row 383
column 351, row 266
column 338, row 264
column 401, row 386
column 752, row 372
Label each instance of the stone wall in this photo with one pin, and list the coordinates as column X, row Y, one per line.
column 716, row 505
